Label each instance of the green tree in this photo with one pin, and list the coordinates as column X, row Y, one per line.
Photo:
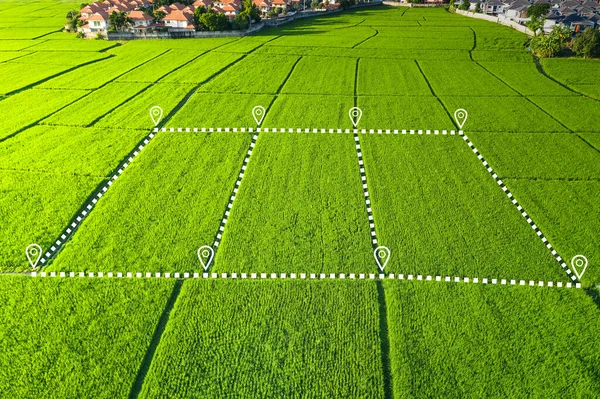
column 545, row 46
column 73, row 20
column 314, row 4
column 209, row 20
column 478, row 8
column 119, row 20
column 587, row 43
column 538, row 10
column 465, row 5
column 159, row 16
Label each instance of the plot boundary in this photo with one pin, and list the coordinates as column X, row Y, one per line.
column 304, row 276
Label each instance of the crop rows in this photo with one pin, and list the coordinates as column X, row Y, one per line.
column 279, row 339
column 81, row 338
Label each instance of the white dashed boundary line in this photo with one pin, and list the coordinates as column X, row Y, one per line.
column 87, row 207
column 234, row 193
column 306, row 276
column 535, row 228
column 363, row 178
column 302, row 130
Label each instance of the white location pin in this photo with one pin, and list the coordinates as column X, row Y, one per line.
column 460, row 115
column 156, row 113
column 382, row 255
column 355, row 115
column 205, row 254
column 579, row 264
column 34, row 254
column 258, row 113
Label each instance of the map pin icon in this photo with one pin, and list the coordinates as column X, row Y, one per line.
column 156, row 114
column 579, row 264
column 258, row 113
column 34, row 254
column 355, row 115
column 460, row 115
column 205, row 254
column 382, row 255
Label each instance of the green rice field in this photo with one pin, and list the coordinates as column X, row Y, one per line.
column 477, row 299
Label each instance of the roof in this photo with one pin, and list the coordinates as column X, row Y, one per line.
column 99, row 16
column 139, row 16
column 176, row 16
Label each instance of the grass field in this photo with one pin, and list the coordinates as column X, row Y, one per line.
column 72, row 110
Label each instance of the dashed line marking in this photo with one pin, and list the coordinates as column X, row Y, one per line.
column 365, row 187
column 87, row 207
column 306, row 276
column 525, row 215
column 304, row 130
column 233, row 195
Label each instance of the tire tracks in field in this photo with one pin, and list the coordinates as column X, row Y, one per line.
column 384, row 340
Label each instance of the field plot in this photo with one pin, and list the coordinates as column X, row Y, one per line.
column 270, row 339
column 494, row 37
column 87, row 110
column 69, row 58
column 19, row 80
column 397, row 78
column 441, row 213
column 62, row 45
column 11, row 55
column 568, row 212
column 538, row 155
column 15, row 45
column 18, row 112
column 581, row 75
column 403, row 113
column 68, row 150
column 168, row 204
column 201, row 69
column 246, row 44
column 27, row 33
column 303, row 199
column 459, row 340
column 275, row 69
column 134, row 113
column 75, row 338
column 317, row 111
column 316, row 75
column 160, row 67
column 525, row 79
column 505, row 114
column 100, row 73
column 382, row 42
column 34, row 207
column 234, row 110
column 463, row 79
column 584, row 120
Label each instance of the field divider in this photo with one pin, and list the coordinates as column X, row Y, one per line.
column 234, row 192
column 525, row 215
column 305, row 276
column 367, row 197
column 421, row 132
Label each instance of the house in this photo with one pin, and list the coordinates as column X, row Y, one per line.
column 279, row 4
column 493, row 7
column 263, row 5
column 97, row 23
column 179, row 20
column 576, row 23
column 140, row 19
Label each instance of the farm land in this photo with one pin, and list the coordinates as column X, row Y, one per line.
column 75, row 114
